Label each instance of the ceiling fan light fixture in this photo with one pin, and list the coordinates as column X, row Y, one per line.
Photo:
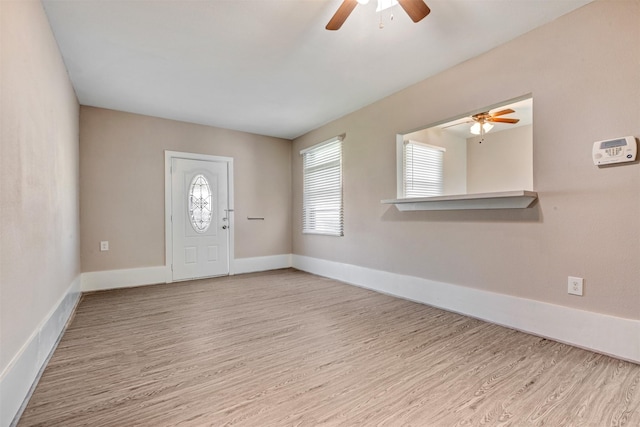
column 416, row 9
column 385, row 4
column 480, row 127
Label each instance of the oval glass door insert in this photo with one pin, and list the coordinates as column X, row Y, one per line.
column 200, row 210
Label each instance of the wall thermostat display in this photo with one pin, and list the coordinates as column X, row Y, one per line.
column 614, row 151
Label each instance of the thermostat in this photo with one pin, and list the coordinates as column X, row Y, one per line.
column 617, row 150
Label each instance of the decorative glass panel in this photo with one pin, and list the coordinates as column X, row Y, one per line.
column 200, row 210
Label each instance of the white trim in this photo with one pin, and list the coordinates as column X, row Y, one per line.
column 320, row 144
column 516, row 199
column 130, row 277
column 125, row 278
column 19, row 378
column 399, row 166
column 262, row 263
column 598, row 332
column 168, row 245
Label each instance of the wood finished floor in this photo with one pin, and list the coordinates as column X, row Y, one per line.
column 286, row 348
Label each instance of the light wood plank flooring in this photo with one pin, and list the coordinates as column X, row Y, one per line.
column 286, row 348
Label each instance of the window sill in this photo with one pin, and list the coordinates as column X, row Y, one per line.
column 519, row 199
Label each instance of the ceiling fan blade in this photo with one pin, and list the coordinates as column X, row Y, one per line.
column 502, row 120
column 416, row 9
column 341, row 14
column 503, row 112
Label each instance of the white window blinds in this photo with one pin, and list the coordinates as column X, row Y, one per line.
column 422, row 169
column 322, row 211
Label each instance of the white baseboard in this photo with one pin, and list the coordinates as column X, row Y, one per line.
column 602, row 333
column 125, row 278
column 263, row 263
column 23, row 370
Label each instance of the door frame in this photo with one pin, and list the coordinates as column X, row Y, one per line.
column 168, row 235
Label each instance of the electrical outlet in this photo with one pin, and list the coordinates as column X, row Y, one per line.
column 104, row 245
column 575, row 285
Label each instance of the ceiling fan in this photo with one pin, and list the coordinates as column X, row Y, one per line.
column 483, row 120
column 416, row 9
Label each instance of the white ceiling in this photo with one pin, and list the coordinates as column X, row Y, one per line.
column 269, row 66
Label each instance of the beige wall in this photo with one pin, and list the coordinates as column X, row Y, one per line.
column 582, row 70
column 122, row 186
column 39, row 228
column 502, row 162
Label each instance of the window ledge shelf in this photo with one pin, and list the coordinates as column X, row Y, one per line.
column 519, row 199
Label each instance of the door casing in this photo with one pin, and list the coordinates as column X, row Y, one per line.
column 168, row 235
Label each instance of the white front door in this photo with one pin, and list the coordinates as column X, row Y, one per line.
column 199, row 218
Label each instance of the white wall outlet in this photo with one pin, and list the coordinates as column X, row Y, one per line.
column 575, row 285
column 104, row 245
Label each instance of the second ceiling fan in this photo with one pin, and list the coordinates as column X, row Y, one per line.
column 416, row 9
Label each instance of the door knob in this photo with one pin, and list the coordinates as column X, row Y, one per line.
column 224, row 227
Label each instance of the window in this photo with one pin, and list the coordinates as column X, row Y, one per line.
column 421, row 169
column 200, row 204
column 322, row 188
